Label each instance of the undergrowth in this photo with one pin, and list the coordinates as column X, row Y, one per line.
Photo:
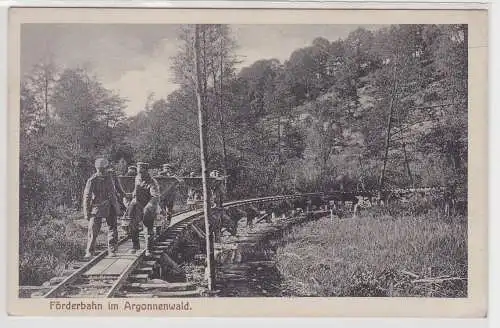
column 49, row 244
column 379, row 253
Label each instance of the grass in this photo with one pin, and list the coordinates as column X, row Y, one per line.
column 376, row 255
column 48, row 245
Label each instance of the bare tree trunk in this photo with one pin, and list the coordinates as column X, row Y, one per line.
column 204, row 80
column 362, row 178
column 200, row 99
column 387, row 144
column 279, row 153
column 408, row 170
column 222, row 123
column 220, row 111
column 388, row 133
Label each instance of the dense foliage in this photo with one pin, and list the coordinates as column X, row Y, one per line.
column 273, row 127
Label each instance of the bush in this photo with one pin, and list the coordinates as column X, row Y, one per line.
column 47, row 246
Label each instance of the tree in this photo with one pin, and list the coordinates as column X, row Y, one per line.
column 400, row 49
column 222, row 63
column 217, row 67
column 87, row 115
column 324, row 112
column 200, row 100
column 32, row 191
column 41, row 81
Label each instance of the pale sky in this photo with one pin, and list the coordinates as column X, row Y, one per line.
column 134, row 60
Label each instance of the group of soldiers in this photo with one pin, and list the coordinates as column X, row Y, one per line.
column 104, row 199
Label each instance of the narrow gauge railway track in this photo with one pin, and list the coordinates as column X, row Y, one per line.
column 103, row 276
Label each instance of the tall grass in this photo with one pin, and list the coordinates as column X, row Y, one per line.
column 48, row 245
column 376, row 255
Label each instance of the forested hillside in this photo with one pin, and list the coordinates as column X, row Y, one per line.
column 387, row 106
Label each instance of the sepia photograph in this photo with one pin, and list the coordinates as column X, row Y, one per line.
column 239, row 161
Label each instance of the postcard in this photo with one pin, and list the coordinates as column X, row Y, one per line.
column 247, row 162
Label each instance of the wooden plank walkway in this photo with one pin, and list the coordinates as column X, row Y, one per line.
column 118, row 266
column 115, row 266
column 100, row 266
column 183, row 216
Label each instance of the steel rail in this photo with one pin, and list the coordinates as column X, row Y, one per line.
column 75, row 275
column 196, row 213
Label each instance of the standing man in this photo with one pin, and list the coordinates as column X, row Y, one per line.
column 192, row 194
column 167, row 202
column 143, row 206
column 216, row 188
column 120, row 195
column 100, row 202
column 127, row 199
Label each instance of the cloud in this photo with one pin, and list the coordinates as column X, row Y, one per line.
column 154, row 76
column 280, row 41
column 134, row 60
column 136, row 85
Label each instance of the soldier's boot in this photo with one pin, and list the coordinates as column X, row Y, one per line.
column 250, row 222
column 135, row 247
column 134, row 234
column 149, row 238
column 93, row 230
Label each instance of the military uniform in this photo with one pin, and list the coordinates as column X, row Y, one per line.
column 167, row 202
column 143, row 206
column 192, row 195
column 119, row 191
column 100, row 202
column 131, row 172
column 217, row 188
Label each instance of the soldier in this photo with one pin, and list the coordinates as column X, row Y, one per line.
column 192, row 194
column 216, row 188
column 100, row 202
column 123, row 199
column 167, row 202
column 143, row 206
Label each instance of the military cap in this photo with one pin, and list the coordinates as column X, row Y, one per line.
column 167, row 168
column 101, row 162
column 142, row 164
column 214, row 174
